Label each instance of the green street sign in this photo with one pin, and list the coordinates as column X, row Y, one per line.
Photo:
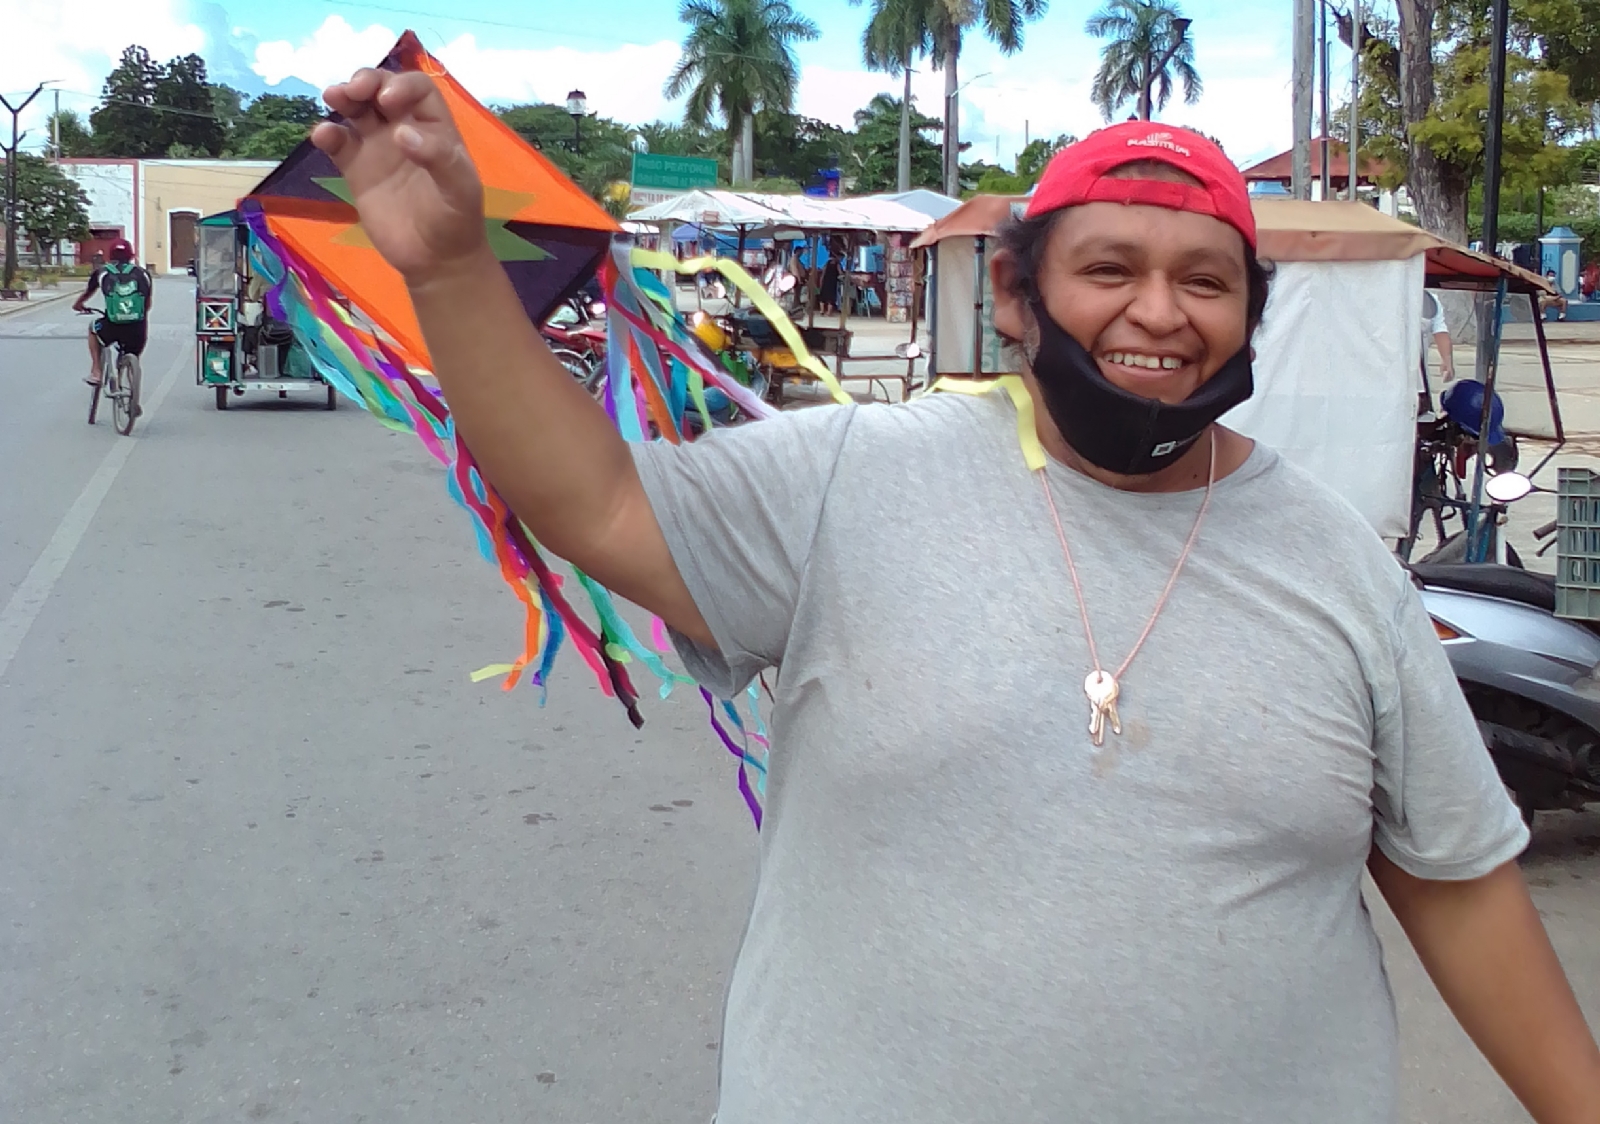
column 672, row 173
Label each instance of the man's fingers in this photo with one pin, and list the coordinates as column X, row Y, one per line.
column 355, row 100
column 338, row 141
column 411, row 93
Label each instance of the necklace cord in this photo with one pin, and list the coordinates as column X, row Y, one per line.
column 1161, row 602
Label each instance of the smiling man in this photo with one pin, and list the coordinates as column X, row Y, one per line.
column 1090, row 713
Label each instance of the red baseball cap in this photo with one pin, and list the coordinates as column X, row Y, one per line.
column 1077, row 175
column 123, row 249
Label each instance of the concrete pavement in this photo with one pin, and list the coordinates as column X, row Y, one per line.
column 268, row 855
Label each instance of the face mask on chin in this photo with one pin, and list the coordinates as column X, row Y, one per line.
column 1116, row 430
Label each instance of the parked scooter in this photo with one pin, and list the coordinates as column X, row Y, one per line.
column 1531, row 678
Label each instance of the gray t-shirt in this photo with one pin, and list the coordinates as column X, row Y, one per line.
column 967, row 914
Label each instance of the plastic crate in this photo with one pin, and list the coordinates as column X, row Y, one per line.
column 1578, row 544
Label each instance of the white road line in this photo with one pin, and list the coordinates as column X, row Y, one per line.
column 29, row 597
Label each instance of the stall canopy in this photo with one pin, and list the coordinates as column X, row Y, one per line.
column 930, row 203
column 764, row 214
column 1338, row 353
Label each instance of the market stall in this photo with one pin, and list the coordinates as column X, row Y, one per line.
column 812, row 229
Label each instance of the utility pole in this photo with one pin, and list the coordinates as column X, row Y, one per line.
column 1305, row 33
column 1322, row 71
column 55, row 130
column 1493, row 140
column 11, row 184
column 1355, row 96
column 902, row 171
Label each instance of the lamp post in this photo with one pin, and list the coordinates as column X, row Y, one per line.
column 1180, row 29
column 578, row 109
column 952, row 141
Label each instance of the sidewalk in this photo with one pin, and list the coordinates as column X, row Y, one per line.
column 38, row 298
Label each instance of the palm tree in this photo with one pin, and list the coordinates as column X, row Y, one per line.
column 936, row 28
column 894, row 35
column 738, row 58
column 1146, row 46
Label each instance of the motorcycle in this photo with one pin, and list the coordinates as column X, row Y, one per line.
column 576, row 333
column 1531, row 678
column 1447, row 445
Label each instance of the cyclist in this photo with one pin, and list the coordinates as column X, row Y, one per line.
column 128, row 296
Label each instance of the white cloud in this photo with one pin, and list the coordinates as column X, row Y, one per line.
column 1042, row 91
column 328, row 55
column 624, row 83
column 74, row 45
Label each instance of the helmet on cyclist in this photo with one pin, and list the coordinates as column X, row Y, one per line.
column 121, row 250
column 1463, row 404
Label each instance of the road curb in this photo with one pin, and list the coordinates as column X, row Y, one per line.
column 47, row 297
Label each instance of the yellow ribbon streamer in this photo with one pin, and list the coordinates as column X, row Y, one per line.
column 1027, row 434
column 750, row 287
column 493, row 670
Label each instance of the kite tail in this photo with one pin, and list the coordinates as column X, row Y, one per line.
column 377, row 375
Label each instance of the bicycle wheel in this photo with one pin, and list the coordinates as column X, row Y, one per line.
column 577, row 366
column 125, row 399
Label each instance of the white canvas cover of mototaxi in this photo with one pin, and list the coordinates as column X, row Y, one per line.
column 1336, row 378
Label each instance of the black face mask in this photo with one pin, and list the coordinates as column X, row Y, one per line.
column 1118, row 431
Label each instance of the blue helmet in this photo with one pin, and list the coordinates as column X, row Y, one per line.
column 1463, row 404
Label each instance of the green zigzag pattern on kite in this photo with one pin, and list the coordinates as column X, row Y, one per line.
column 506, row 244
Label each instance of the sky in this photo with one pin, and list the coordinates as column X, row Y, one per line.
column 620, row 54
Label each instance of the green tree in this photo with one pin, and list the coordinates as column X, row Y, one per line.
column 273, row 142
column 53, row 208
column 877, row 144
column 1425, row 101
column 896, row 34
column 938, row 28
column 604, row 155
column 124, row 124
column 676, row 139
column 186, row 110
column 75, row 137
column 271, row 126
column 1032, row 160
column 1565, row 34
column 738, row 58
column 796, row 148
column 1138, row 35
column 227, row 106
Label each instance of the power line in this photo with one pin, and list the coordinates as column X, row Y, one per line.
column 562, row 31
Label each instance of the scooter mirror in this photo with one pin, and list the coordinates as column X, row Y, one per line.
column 1507, row 487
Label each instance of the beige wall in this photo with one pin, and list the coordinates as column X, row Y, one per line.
column 201, row 187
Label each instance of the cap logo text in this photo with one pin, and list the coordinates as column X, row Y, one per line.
column 1158, row 140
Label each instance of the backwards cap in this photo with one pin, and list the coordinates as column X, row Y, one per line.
column 1078, row 174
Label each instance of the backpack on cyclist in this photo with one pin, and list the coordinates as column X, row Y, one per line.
column 124, row 292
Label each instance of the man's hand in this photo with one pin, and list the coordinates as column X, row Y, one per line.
column 417, row 192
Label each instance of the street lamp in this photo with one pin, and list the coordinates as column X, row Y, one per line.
column 952, row 140
column 578, row 109
column 1180, row 29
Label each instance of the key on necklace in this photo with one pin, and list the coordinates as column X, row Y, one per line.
column 1102, row 690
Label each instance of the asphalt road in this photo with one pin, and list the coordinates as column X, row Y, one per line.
column 267, row 854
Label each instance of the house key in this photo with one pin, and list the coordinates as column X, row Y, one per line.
column 1102, row 690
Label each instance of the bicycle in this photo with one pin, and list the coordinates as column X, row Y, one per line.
column 120, row 379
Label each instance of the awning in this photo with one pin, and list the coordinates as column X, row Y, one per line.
column 1296, row 230
column 766, row 214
